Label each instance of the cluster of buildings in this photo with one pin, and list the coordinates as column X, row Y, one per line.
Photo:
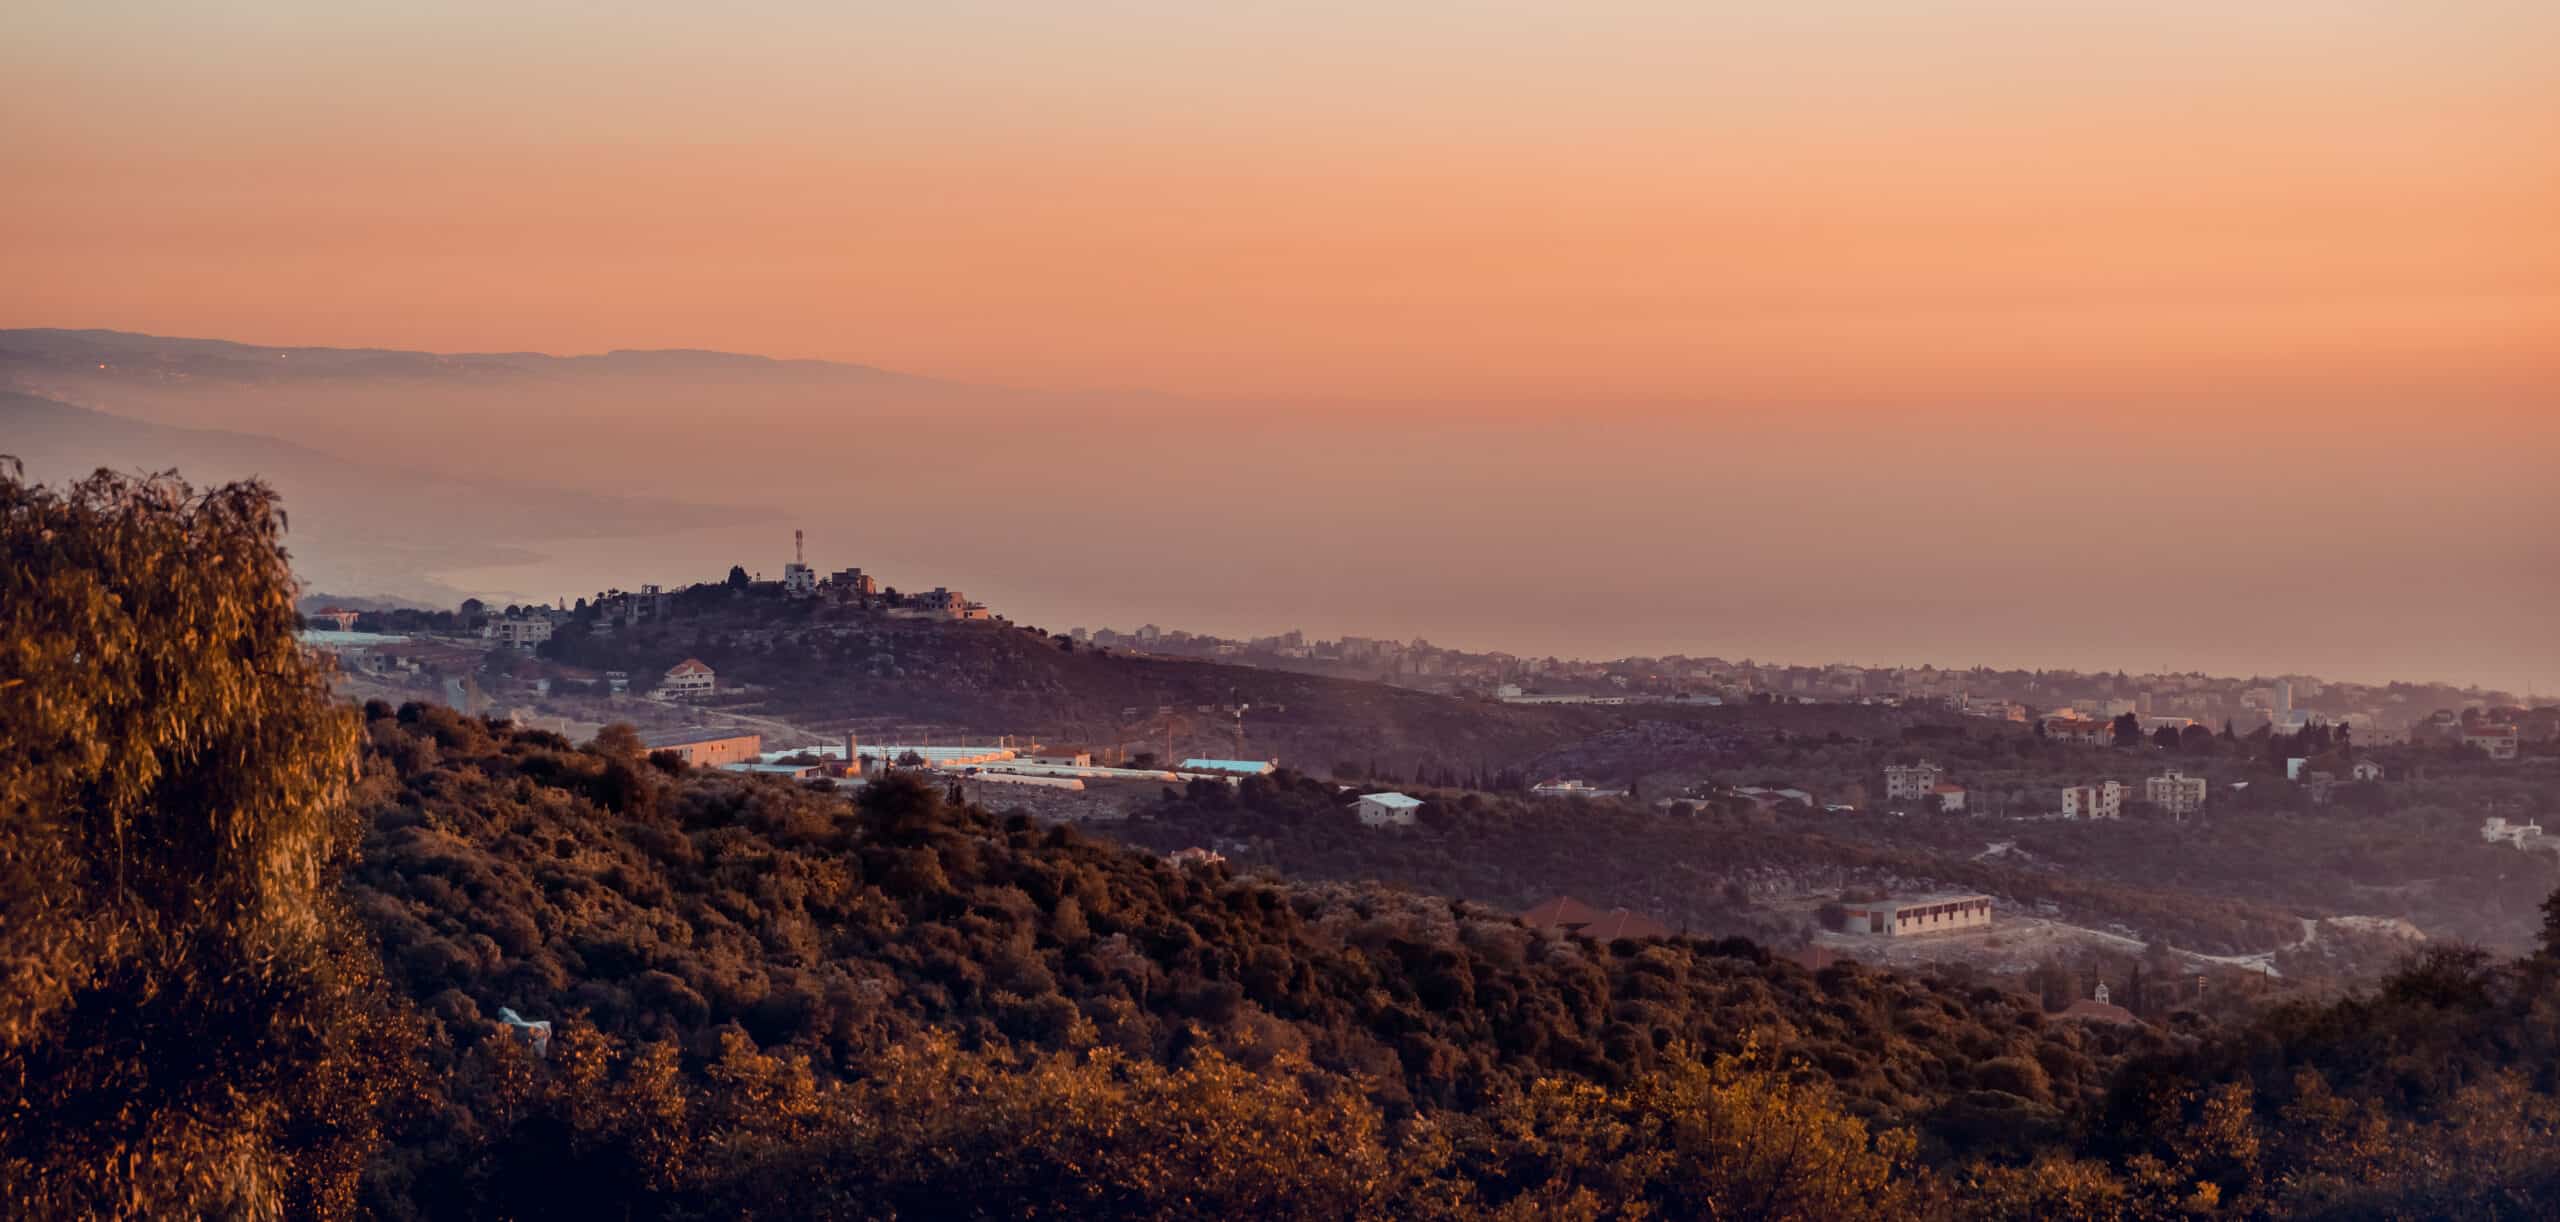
column 1000, row 762
column 2494, row 734
column 854, row 588
column 1924, row 783
column 2078, row 705
column 2174, row 793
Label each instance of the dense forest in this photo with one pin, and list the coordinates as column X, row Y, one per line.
column 268, row 955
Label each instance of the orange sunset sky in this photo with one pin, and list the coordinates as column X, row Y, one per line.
column 2117, row 333
column 1928, row 202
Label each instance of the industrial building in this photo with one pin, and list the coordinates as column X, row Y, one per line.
column 708, row 748
column 1929, row 914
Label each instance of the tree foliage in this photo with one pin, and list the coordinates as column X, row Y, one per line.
column 187, row 1019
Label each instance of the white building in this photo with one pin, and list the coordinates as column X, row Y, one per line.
column 2175, row 792
column 1573, row 789
column 799, row 580
column 1951, row 798
column 1388, row 810
column 2366, row 770
column 2101, row 801
column 2500, row 741
column 518, row 631
column 962, row 755
column 1911, row 781
column 687, row 680
column 2497, row 830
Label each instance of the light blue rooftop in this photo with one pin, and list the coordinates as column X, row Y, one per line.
column 1250, row 767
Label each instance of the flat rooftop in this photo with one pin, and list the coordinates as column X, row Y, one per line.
column 686, row 738
column 1918, row 901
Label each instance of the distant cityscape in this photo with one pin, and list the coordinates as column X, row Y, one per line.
column 2066, row 703
column 2071, row 702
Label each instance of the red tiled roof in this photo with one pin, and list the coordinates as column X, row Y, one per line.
column 1948, row 788
column 690, row 666
column 1562, row 912
column 1621, row 923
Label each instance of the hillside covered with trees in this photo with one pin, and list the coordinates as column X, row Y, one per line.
column 1698, row 870
column 270, row 956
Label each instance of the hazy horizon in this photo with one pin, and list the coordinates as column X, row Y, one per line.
column 2120, row 334
column 1152, row 528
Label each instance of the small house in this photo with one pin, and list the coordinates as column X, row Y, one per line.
column 1388, row 810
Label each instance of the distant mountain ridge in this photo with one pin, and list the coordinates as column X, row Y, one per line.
column 41, row 350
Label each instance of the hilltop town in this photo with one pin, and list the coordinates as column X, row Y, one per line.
column 1865, row 791
column 2072, row 705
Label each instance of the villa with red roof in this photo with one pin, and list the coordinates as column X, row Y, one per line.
column 687, row 680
